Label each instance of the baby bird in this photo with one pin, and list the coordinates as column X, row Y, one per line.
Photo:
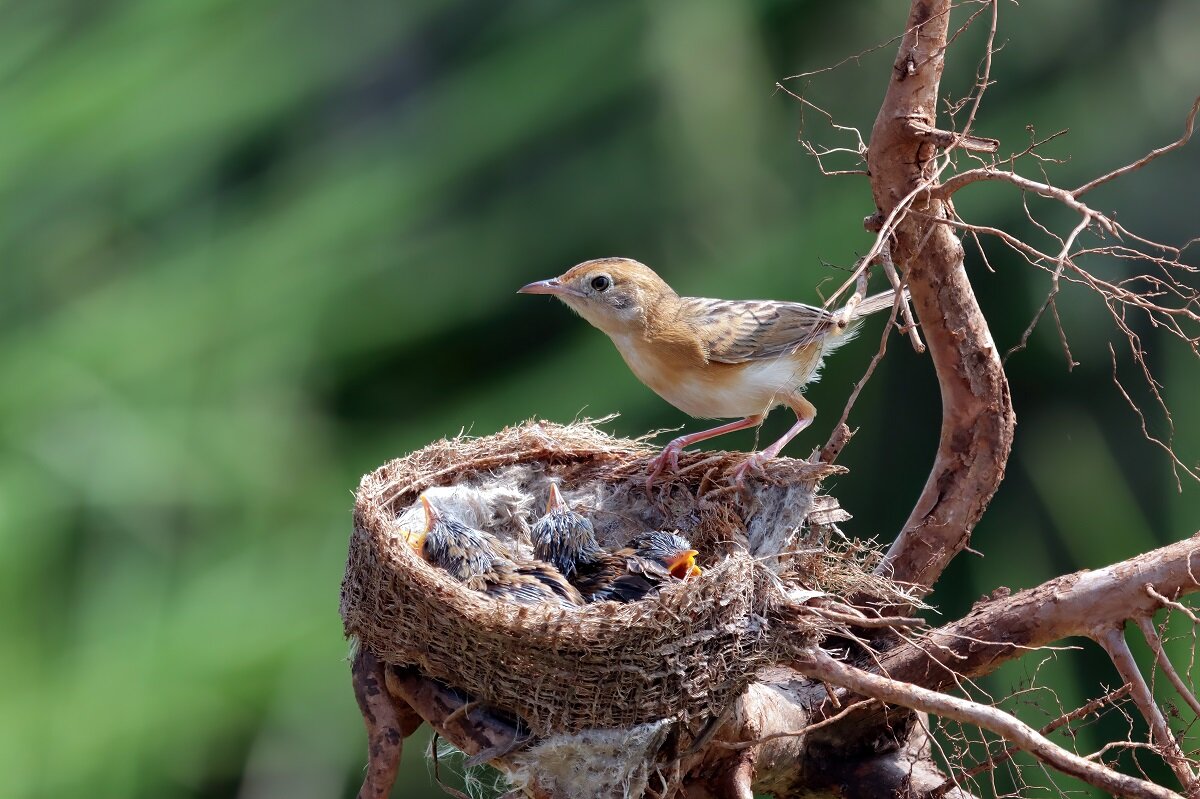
column 478, row 560
column 712, row 359
column 567, row 540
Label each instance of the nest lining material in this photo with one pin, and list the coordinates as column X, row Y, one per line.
column 683, row 654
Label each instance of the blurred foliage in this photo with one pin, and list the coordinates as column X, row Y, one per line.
column 254, row 249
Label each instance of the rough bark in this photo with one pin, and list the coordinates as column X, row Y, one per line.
column 1005, row 626
column 977, row 415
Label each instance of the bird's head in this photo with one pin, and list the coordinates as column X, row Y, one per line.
column 613, row 294
column 448, row 543
column 672, row 550
column 415, row 538
column 563, row 537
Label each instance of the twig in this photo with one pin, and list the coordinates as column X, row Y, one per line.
column 995, row 760
column 1113, row 641
column 1145, row 159
column 860, row 704
column 1170, row 603
column 868, row 622
column 910, row 324
column 837, row 439
column 1147, row 627
column 819, row 665
column 947, row 189
column 1165, row 446
column 1061, row 260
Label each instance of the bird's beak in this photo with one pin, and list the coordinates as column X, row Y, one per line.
column 551, row 286
column 556, row 501
column 417, row 539
column 684, row 565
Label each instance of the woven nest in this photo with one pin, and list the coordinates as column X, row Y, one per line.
column 682, row 654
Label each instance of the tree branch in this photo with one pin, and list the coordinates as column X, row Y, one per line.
column 1145, row 624
column 1114, row 643
column 820, row 665
column 1008, row 626
column 977, row 416
column 388, row 723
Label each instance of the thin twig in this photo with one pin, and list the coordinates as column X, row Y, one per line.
column 820, row 665
column 1171, row 603
column 910, row 324
column 995, row 760
column 1147, row 627
column 797, row 733
column 1113, row 641
column 1148, row 157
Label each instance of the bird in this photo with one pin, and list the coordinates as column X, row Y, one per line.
column 715, row 359
column 567, row 540
column 652, row 559
column 482, row 563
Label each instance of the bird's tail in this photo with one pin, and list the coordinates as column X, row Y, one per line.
column 876, row 303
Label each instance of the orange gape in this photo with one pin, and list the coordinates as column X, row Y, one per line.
column 715, row 359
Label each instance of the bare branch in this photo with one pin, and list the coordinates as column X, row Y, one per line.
column 821, row 666
column 948, row 139
column 1145, row 159
column 1170, row 603
column 1008, row 626
column 1062, row 721
column 910, row 324
column 977, row 417
column 947, row 189
column 478, row 732
column 1160, row 657
column 1113, row 641
column 1054, row 288
column 1164, row 445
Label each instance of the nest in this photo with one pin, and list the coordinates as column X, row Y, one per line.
column 684, row 654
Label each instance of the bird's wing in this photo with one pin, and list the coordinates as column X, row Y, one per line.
column 626, row 588
column 551, row 578
column 736, row 331
column 647, row 567
column 509, row 583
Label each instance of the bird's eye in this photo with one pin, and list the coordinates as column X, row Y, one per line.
column 601, row 282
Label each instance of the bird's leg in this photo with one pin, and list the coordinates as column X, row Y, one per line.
column 805, row 413
column 668, row 459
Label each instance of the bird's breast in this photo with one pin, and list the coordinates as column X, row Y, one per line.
column 709, row 389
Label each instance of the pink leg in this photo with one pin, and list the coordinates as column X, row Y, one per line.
column 668, row 459
column 805, row 413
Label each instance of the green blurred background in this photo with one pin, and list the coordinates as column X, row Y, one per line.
column 253, row 249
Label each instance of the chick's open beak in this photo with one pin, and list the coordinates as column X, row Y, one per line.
column 684, row 565
column 556, row 501
column 551, row 286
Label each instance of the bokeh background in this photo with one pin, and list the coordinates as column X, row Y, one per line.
column 251, row 250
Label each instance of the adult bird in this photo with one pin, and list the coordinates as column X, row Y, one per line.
column 713, row 359
column 482, row 563
column 567, row 540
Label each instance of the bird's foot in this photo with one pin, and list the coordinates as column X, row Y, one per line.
column 666, row 461
column 753, row 464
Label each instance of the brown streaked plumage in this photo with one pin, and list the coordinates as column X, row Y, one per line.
column 566, row 540
column 482, row 563
column 714, row 359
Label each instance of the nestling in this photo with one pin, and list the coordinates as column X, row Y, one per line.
column 478, row 560
column 567, row 540
column 714, row 359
